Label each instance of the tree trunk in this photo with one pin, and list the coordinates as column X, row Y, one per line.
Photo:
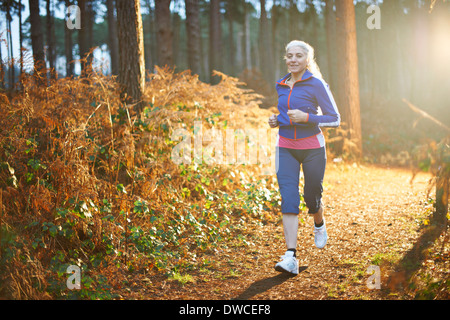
column 293, row 21
column 312, row 13
column 20, row 41
column 176, row 37
column 420, row 92
column 37, row 40
column 193, row 35
column 330, row 27
column 348, row 87
column 112, row 37
column 276, row 48
column 11, row 51
column 215, row 35
column 442, row 195
column 163, row 33
column 68, row 45
column 131, row 52
column 149, row 46
column 232, row 49
column 265, row 47
column 50, row 40
column 90, row 29
column 82, row 34
column 442, row 182
column 247, row 47
column 2, row 71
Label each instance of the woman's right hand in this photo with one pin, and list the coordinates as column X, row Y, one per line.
column 273, row 121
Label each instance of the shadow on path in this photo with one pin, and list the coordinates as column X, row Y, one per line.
column 266, row 284
column 412, row 260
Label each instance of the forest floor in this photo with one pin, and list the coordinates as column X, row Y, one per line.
column 374, row 215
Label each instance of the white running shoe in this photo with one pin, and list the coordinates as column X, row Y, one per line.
column 320, row 236
column 288, row 264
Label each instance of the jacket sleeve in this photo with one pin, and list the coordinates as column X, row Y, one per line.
column 330, row 116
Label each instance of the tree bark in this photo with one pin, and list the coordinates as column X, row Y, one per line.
column 150, row 44
column 20, row 40
column 164, row 33
column 50, row 40
column 215, row 34
column 348, row 86
column 442, row 182
column 131, row 52
column 176, row 37
column 37, row 40
column 193, row 35
column 330, row 27
column 2, row 71
column 11, row 50
column 275, row 13
column 292, row 20
column 85, row 35
column 232, row 48
column 442, row 195
column 112, row 37
column 265, row 47
column 247, row 46
column 68, row 45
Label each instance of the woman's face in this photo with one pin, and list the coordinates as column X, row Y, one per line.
column 296, row 59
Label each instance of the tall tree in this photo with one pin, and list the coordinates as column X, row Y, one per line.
column 2, row 71
column 21, row 7
column 233, row 9
column 176, row 38
column 51, row 56
column 68, row 45
column 215, row 35
column 85, row 34
column 149, row 37
column 37, row 40
column 112, row 37
column 164, row 33
column 265, row 47
column 131, row 51
column 330, row 29
column 275, row 18
column 348, row 86
column 193, row 35
column 293, row 21
column 247, row 47
column 8, row 6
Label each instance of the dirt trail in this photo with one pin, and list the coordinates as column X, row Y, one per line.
column 370, row 212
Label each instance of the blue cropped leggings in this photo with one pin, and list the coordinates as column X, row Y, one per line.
column 313, row 162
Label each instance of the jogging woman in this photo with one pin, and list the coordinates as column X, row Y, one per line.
column 301, row 94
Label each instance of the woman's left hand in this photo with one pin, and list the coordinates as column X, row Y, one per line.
column 297, row 116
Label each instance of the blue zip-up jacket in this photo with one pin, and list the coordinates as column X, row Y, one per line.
column 307, row 94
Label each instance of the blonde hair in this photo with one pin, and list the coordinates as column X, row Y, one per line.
column 309, row 50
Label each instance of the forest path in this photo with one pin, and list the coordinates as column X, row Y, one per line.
column 371, row 213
